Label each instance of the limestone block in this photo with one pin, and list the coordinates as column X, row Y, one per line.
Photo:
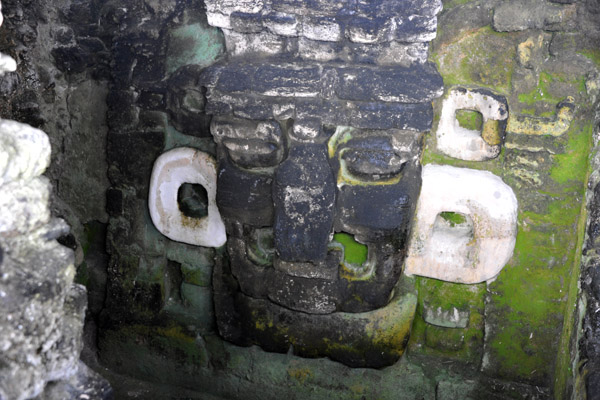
column 254, row 43
column 281, row 24
column 468, row 144
column 415, row 28
column 24, row 151
column 465, row 227
column 218, row 11
column 171, row 170
column 33, row 289
column 250, row 144
column 322, row 28
column 367, row 30
column 414, row 84
column 536, row 126
column 24, row 206
column 246, row 23
column 519, row 15
column 304, row 196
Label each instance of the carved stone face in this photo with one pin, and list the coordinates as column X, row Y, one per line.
column 317, row 112
column 315, row 228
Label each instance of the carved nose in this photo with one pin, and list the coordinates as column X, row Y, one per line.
column 304, row 198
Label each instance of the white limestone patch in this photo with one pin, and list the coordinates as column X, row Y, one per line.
column 171, row 170
column 24, row 206
column 24, row 151
column 446, row 318
column 467, row 144
column 469, row 251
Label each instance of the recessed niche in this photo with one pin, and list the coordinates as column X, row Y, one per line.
column 192, row 200
column 260, row 246
column 453, row 236
column 354, row 252
column 469, row 119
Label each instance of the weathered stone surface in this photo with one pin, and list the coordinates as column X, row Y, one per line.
column 367, row 115
column 24, row 206
column 171, row 170
column 25, row 151
column 250, row 144
column 244, row 196
column 303, row 196
column 414, row 84
column 247, row 321
column 418, row 83
column 472, row 246
column 318, row 20
column 451, row 318
column 519, row 15
column 526, row 125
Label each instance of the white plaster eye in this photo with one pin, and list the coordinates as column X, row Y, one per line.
column 468, row 144
column 171, row 170
column 465, row 227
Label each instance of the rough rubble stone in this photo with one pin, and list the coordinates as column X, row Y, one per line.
column 24, row 205
column 25, row 151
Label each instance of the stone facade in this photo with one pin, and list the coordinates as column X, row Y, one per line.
column 334, row 130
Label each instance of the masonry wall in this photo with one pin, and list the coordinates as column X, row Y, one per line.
column 117, row 85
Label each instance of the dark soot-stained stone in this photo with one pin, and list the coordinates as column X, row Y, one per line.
column 372, row 339
column 376, row 208
column 413, row 84
column 304, row 195
column 244, row 196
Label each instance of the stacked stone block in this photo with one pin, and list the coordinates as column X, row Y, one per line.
column 318, row 133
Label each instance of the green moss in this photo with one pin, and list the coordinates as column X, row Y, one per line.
column 354, row 252
column 535, row 292
column 464, row 344
column 571, row 165
column 454, row 3
column 444, row 339
column 563, row 360
column 541, row 92
column 592, row 54
column 469, row 119
column 467, row 59
column 453, row 218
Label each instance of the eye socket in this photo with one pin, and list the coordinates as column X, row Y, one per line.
column 192, row 200
column 372, row 165
column 260, row 247
column 469, row 119
column 253, row 153
column 250, row 144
